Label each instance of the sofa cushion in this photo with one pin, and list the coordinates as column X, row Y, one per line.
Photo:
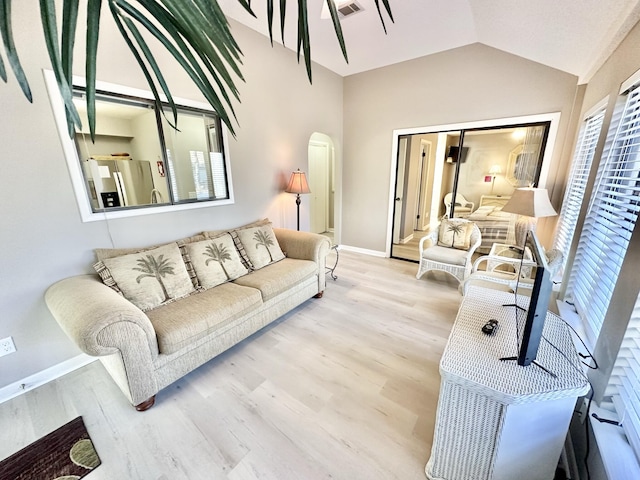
column 148, row 278
column 260, row 245
column 279, row 277
column 181, row 323
column 215, row 261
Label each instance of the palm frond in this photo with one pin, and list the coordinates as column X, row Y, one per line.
column 387, row 7
column 93, row 29
column 10, row 50
column 195, row 32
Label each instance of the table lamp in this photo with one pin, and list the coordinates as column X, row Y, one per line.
column 494, row 171
column 298, row 185
column 530, row 204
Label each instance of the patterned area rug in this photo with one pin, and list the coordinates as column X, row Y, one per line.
column 65, row 454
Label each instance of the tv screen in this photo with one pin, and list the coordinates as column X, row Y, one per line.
column 531, row 316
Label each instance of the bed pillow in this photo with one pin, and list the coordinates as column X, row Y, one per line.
column 148, row 278
column 260, row 245
column 455, row 234
column 215, row 261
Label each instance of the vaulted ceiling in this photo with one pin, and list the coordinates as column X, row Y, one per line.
column 574, row 36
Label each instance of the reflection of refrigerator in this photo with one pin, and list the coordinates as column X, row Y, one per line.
column 119, row 183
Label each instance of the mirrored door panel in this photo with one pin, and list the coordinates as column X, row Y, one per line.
column 469, row 174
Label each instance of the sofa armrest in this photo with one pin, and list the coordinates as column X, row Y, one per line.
column 303, row 245
column 98, row 319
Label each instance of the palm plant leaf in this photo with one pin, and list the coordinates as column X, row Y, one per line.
column 195, row 32
column 48, row 17
column 10, row 50
column 387, row 7
column 3, row 71
column 69, row 22
column 303, row 36
column 338, row 28
column 93, row 30
column 136, row 54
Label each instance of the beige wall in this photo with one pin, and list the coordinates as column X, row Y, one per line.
column 43, row 237
column 466, row 84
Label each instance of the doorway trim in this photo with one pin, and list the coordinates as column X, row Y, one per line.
column 552, row 117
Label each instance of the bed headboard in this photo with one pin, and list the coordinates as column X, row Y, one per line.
column 494, row 200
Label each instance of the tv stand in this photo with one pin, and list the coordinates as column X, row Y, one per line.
column 498, row 420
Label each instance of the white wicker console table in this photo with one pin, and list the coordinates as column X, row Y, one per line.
column 497, row 420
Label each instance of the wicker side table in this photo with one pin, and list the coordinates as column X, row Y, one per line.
column 497, row 420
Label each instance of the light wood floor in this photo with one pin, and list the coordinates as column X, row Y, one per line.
column 343, row 387
column 409, row 250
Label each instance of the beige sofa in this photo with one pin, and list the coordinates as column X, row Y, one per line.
column 147, row 351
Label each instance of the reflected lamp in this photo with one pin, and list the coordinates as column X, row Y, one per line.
column 530, row 204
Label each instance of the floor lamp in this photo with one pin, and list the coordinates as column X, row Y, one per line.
column 298, row 185
column 530, row 204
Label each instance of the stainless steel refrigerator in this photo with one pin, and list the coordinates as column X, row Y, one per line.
column 118, row 183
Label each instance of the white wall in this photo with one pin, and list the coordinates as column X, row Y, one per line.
column 466, row 84
column 43, row 237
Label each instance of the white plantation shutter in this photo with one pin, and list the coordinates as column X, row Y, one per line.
column 624, row 382
column 577, row 181
column 611, row 216
column 219, row 175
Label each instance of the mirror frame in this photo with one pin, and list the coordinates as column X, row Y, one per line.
column 75, row 169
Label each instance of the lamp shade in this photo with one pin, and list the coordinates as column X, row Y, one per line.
column 495, row 170
column 298, row 183
column 531, row 202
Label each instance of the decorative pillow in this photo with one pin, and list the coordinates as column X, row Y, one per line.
column 236, row 240
column 148, row 278
column 455, row 234
column 260, row 245
column 216, row 261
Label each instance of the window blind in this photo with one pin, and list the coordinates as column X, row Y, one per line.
column 577, row 181
column 624, row 382
column 611, row 216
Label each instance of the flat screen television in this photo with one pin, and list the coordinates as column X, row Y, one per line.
column 531, row 311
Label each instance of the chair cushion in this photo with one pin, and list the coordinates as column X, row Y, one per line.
column 181, row 323
column 451, row 256
column 455, row 234
column 278, row 277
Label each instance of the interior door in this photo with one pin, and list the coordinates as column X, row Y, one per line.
column 319, row 160
column 399, row 196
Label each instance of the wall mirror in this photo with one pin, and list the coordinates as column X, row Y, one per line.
column 140, row 164
column 429, row 182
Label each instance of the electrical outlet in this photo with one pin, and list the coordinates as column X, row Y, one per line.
column 7, row 346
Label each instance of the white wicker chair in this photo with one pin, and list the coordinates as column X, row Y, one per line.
column 510, row 279
column 451, row 260
column 463, row 207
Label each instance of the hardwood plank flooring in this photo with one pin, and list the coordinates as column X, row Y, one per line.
column 343, row 387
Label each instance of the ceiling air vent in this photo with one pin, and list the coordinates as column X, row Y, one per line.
column 348, row 9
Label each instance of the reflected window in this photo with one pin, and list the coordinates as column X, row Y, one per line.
column 138, row 160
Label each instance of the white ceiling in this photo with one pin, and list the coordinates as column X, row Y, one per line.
column 575, row 36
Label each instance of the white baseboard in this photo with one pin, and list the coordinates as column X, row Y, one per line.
column 44, row 376
column 406, row 239
column 374, row 253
